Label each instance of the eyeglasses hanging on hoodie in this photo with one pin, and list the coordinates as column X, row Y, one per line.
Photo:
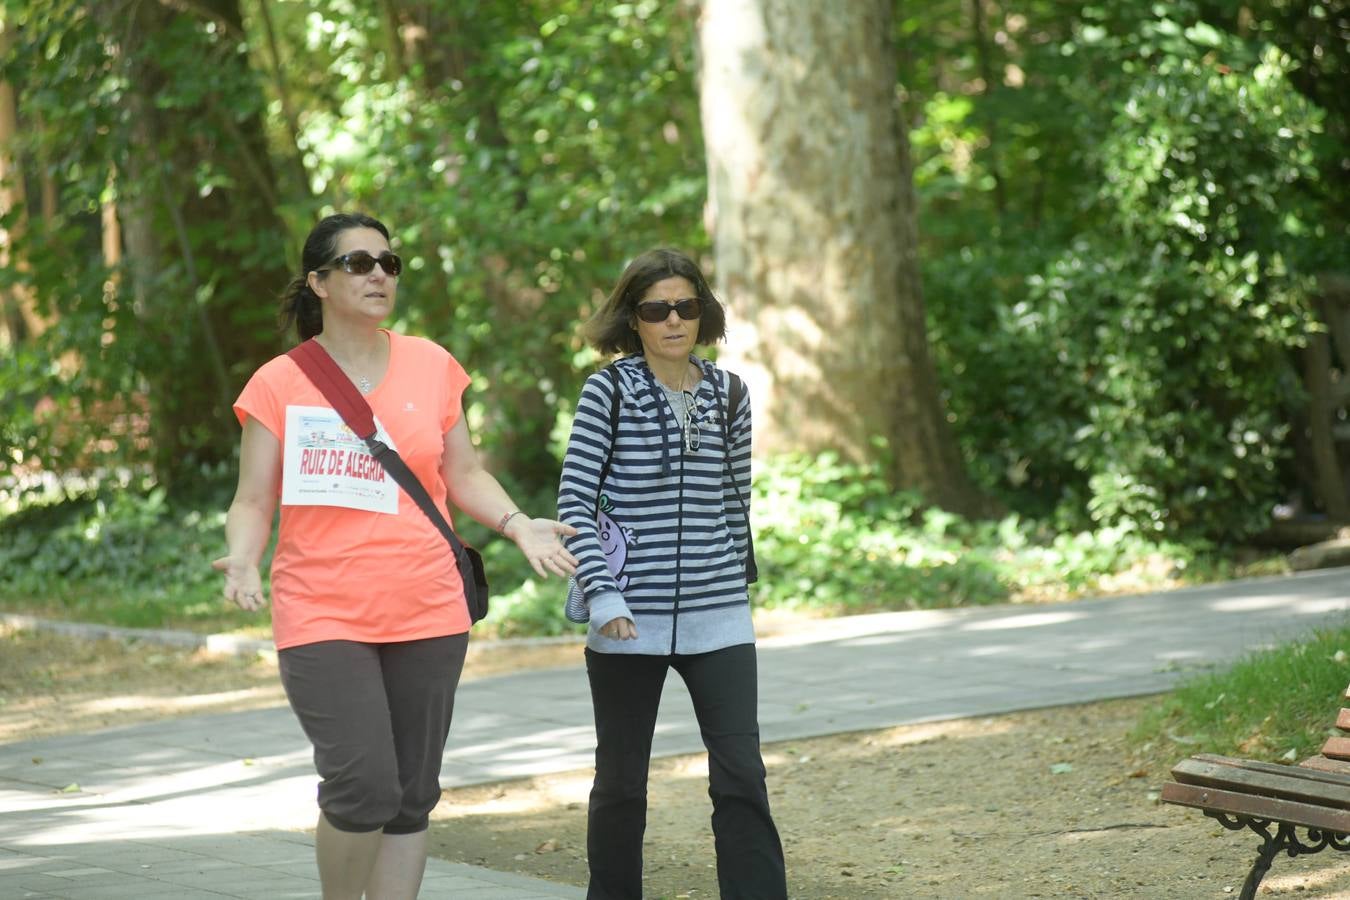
column 685, row 406
column 693, row 419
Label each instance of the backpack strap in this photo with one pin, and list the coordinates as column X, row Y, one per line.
column 613, row 430
column 735, row 394
column 576, row 610
column 735, row 391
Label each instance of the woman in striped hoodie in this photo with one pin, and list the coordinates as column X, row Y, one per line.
column 656, row 481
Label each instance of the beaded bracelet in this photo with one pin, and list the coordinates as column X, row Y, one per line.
column 501, row 526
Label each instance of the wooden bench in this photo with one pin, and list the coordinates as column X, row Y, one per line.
column 1274, row 801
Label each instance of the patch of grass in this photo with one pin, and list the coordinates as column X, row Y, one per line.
column 1278, row 704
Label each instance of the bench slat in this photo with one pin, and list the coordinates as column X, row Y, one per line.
column 1314, row 768
column 1281, row 782
column 1322, row 764
column 1304, row 814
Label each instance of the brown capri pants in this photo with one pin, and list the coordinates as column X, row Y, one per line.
column 378, row 716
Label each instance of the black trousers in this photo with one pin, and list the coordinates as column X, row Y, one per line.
column 626, row 692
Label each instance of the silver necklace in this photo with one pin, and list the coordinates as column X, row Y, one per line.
column 363, row 384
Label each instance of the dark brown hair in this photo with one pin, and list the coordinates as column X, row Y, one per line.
column 611, row 329
column 299, row 303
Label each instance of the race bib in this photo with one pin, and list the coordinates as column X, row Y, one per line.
column 324, row 463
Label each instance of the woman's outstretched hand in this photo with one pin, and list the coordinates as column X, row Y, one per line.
column 243, row 584
column 541, row 542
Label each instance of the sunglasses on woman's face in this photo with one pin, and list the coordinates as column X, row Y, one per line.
column 359, row 262
column 659, row 310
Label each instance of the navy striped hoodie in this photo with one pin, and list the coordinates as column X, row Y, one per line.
column 668, row 549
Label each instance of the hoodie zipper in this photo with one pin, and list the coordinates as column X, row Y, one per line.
column 679, row 531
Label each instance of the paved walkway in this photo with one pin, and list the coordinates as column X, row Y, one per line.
column 214, row 806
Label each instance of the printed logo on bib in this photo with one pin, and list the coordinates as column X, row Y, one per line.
column 324, row 463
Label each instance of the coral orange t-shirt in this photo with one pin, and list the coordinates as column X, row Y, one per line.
column 356, row 559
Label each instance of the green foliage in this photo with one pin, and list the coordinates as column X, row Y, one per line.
column 144, row 344
column 521, row 158
column 1119, row 338
column 1278, row 704
column 833, row 536
column 532, row 609
column 1125, row 207
column 520, row 152
column 126, row 554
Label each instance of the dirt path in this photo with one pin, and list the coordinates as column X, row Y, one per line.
column 1050, row 804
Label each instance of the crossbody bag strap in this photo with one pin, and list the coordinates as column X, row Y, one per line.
column 339, row 391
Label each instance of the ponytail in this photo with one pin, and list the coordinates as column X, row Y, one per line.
column 299, row 304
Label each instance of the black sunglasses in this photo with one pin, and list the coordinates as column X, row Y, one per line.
column 359, row 262
column 659, row 310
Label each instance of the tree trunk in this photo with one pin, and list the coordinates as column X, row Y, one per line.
column 986, row 68
column 203, row 266
column 295, row 156
column 450, row 42
column 19, row 317
column 813, row 213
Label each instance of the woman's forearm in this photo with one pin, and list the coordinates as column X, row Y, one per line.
column 478, row 494
column 473, row 490
column 248, row 526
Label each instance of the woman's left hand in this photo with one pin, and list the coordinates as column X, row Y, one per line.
column 541, row 542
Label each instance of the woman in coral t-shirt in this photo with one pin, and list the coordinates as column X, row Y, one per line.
column 368, row 608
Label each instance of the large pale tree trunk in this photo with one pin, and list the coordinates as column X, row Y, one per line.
column 812, row 209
